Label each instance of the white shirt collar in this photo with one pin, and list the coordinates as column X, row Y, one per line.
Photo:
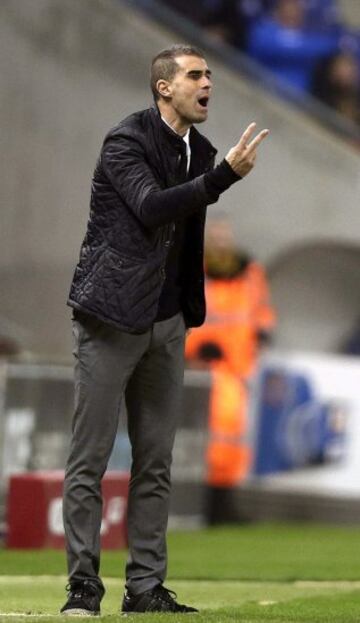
column 186, row 138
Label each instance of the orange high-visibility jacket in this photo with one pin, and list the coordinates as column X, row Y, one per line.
column 237, row 309
column 228, row 456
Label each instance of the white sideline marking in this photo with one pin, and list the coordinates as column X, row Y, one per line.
column 327, row 583
column 23, row 614
column 23, row 579
column 18, row 579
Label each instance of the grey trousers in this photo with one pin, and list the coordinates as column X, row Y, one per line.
column 147, row 370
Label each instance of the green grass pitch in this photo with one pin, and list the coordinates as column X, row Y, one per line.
column 274, row 573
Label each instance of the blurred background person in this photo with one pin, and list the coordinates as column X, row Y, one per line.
column 336, row 82
column 239, row 321
column 226, row 20
column 283, row 43
column 240, row 318
column 231, row 20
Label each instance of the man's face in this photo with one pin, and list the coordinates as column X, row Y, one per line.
column 189, row 91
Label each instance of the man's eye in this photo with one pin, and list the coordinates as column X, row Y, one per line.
column 197, row 75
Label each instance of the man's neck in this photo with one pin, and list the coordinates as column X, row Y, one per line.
column 173, row 120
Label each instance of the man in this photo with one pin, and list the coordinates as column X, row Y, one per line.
column 137, row 287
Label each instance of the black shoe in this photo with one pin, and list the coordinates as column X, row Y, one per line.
column 83, row 600
column 158, row 599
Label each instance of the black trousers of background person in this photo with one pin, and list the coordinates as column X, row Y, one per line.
column 147, row 370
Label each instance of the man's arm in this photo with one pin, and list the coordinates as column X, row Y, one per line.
column 126, row 167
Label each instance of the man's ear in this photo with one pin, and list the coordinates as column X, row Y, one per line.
column 163, row 87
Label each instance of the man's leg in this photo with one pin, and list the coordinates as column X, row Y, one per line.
column 153, row 397
column 105, row 359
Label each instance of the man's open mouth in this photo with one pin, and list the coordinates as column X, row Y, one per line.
column 203, row 101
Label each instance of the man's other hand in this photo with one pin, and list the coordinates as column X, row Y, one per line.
column 242, row 157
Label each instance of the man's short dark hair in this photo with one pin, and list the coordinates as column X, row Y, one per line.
column 164, row 65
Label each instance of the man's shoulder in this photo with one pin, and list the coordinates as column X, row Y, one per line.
column 132, row 125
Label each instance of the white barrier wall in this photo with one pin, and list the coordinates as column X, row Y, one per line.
column 334, row 381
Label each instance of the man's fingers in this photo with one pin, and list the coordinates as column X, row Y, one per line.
column 246, row 135
column 242, row 157
column 257, row 140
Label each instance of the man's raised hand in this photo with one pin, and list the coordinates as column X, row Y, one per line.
column 242, row 157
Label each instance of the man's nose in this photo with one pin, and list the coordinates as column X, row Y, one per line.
column 206, row 82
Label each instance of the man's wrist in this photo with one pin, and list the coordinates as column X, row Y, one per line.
column 220, row 178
